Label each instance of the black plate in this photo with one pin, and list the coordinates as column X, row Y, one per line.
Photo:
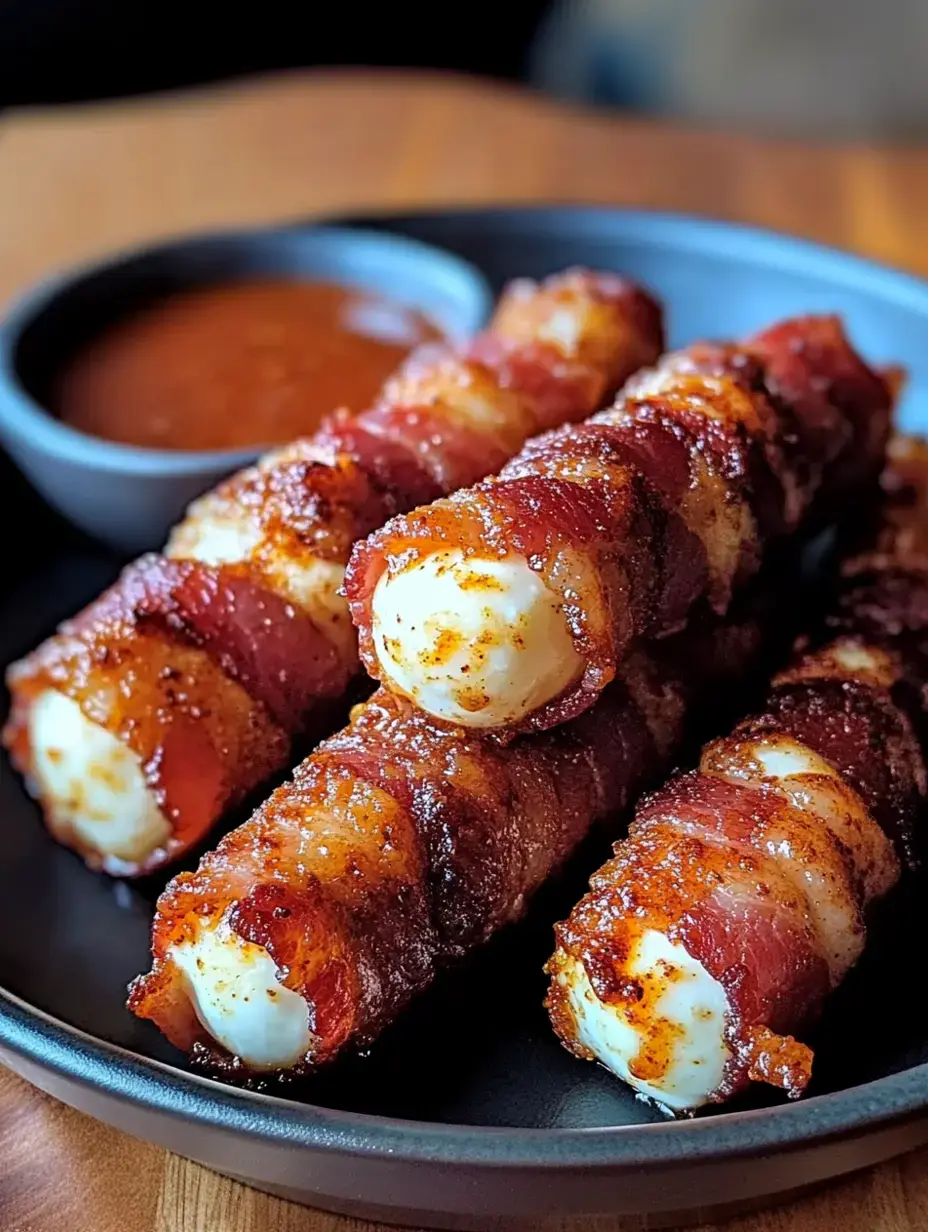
column 467, row 1113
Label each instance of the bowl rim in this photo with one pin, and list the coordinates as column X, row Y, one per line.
column 23, row 416
column 694, row 232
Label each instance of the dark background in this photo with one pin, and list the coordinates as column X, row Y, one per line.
column 69, row 50
column 60, row 51
column 846, row 69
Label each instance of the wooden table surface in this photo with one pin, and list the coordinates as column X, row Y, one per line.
column 84, row 180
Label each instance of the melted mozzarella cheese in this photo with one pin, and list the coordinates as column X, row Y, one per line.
column 92, row 785
column 812, row 785
column 213, row 533
column 474, row 641
column 314, row 585
column 564, row 330
column 681, row 1018
column 466, row 391
column 824, row 881
column 235, row 989
column 858, row 659
column 218, row 533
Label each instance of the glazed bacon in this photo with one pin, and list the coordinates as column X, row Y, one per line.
column 628, row 520
column 207, row 662
column 752, row 875
column 397, row 846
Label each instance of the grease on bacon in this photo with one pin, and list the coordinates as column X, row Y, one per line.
column 758, row 868
column 191, row 678
column 617, row 527
column 397, row 847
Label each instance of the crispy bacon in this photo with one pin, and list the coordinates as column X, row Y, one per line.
column 202, row 740
column 763, row 862
column 211, row 660
column 399, row 845
column 667, row 498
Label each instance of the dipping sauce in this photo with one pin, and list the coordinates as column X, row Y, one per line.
column 235, row 365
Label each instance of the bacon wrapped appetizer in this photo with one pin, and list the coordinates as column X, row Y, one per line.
column 509, row 606
column 397, row 846
column 709, row 942
column 185, row 686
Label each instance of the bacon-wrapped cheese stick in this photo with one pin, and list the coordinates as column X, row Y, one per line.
column 739, row 899
column 183, row 687
column 397, row 846
column 509, row 606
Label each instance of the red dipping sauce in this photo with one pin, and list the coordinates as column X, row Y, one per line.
column 236, row 365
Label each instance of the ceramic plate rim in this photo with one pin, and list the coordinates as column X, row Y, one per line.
column 96, row 1064
column 693, row 231
column 119, row 1072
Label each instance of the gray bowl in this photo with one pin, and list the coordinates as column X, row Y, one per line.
column 128, row 497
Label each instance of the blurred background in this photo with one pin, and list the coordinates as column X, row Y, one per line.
column 828, row 68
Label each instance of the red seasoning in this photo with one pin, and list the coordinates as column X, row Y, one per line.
column 246, row 363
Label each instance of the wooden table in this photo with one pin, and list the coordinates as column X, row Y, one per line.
column 87, row 179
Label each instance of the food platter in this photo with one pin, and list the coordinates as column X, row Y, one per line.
column 467, row 1113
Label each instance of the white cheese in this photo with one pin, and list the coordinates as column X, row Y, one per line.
column 684, row 1007
column 91, row 784
column 235, row 989
column 480, row 642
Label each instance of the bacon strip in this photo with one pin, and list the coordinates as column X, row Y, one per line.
column 633, row 517
column 211, row 660
column 762, row 863
column 400, row 845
